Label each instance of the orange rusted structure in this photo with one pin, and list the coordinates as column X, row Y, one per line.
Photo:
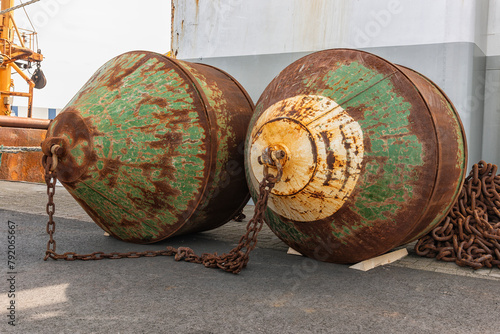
column 23, row 166
column 24, row 122
column 17, row 53
column 22, row 132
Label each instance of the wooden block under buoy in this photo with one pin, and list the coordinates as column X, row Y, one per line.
column 380, row 260
column 293, row 251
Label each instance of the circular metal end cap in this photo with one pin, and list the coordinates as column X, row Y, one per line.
column 323, row 152
column 70, row 131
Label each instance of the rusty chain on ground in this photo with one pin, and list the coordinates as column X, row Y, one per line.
column 470, row 234
column 233, row 262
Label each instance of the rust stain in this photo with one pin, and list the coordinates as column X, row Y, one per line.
column 25, row 166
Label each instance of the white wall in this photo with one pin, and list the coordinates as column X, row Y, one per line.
column 241, row 27
column 491, row 135
column 494, row 28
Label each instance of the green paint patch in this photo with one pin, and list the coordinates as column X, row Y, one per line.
column 393, row 155
column 338, row 235
column 78, row 154
column 100, row 164
column 393, row 150
column 283, row 229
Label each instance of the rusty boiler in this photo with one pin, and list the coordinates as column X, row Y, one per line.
column 153, row 147
column 374, row 155
column 21, row 132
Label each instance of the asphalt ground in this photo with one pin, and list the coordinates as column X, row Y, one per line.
column 276, row 293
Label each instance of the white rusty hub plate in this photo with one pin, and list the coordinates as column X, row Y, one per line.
column 324, row 151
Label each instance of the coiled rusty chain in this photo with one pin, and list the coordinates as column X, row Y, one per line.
column 232, row 262
column 470, row 234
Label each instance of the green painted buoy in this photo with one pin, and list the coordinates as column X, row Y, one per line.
column 154, row 147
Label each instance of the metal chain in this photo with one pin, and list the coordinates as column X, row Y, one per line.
column 233, row 262
column 470, row 234
column 50, row 180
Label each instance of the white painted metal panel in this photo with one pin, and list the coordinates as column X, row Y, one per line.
column 494, row 28
column 219, row 28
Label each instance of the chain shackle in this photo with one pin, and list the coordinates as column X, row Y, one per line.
column 273, row 157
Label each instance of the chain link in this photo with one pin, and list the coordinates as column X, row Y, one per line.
column 233, row 262
column 50, row 180
column 470, row 234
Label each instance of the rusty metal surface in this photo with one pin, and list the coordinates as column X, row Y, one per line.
column 452, row 164
column 375, row 154
column 231, row 106
column 154, row 147
column 24, row 122
column 23, row 166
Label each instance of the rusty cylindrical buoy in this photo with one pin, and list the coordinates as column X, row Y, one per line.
column 153, row 147
column 373, row 155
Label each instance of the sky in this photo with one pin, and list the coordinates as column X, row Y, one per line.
column 78, row 36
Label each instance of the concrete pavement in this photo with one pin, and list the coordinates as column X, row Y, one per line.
column 276, row 293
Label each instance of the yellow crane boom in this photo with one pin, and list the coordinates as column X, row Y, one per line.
column 10, row 52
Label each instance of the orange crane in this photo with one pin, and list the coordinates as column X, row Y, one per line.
column 20, row 137
column 17, row 53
